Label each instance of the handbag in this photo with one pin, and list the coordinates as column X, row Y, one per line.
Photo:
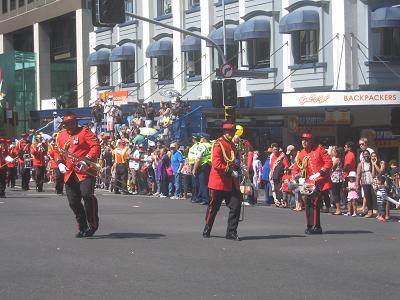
column 169, row 171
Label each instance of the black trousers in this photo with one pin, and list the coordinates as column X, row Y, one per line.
column 3, row 176
column 86, row 214
column 313, row 209
column 59, row 181
column 12, row 174
column 233, row 201
column 121, row 177
column 40, row 172
column 25, row 177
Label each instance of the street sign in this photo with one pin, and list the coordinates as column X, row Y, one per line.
column 227, row 70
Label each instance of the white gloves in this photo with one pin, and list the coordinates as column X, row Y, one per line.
column 9, row 159
column 83, row 166
column 63, row 168
column 302, row 181
column 235, row 173
column 315, row 176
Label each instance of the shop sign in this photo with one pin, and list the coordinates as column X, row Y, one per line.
column 120, row 97
column 311, row 120
column 49, row 104
column 341, row 98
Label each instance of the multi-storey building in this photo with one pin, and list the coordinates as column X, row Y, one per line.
column 330, row 67
column 43, row 49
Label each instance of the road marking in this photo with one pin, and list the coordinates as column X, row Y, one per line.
column 2, row 202
column 135, row 206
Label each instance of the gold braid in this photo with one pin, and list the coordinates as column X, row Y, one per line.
column 227, row 159
column 302, row 165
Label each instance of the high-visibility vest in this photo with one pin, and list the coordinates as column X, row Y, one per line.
column 193, row 153
column 206, row 158
column 120, row 155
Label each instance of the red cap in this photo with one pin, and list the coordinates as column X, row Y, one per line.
column 69, row 118
column 307, row 136
column 2, row 140
column 229, row 126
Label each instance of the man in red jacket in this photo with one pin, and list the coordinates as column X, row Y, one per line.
column 224, row 183
column 76, row 148
column 38, row 153
column 59, row 177
column 11, row 164
column 314, row 165
column 23, row 147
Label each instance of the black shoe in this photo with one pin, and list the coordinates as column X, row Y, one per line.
column 126, row 193
column 117, row 192
column 308, row 230
column 80, row 234
column 2, row 195
column 89, row 232
column 316, row 230
column 232, row 236
column 206, row 231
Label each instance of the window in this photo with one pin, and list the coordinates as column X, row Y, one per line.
column 164, row 7
column 13, row 4
column 30, row 1
column 305, row 46
column 4, row 6
column 129, row 7
column 128, row 71
column 103, row 75
column 193, row 63
column 21, row 3
column 232, row 55
column 194, row 3
column 258, row 53
column 390, row 43
column 164, row 68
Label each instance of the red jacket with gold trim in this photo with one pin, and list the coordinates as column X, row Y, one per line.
column 317, row 160
column 38, row 155
column 83, row 144
column 222, row 165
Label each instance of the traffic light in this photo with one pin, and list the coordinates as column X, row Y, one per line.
column 108, row 13
column 395, row 120
column 217, row 97
column 230, row 92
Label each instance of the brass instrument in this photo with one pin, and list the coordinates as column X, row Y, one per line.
column 77, row 159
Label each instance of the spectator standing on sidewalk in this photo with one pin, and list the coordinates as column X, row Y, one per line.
column 177, row 161
column 265, row 177
column 337, row 177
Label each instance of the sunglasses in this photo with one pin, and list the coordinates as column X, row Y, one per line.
column 361, row 144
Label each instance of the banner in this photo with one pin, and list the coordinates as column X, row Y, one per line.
column 341, row 98
column 120, row 97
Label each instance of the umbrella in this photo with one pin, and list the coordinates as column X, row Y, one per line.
column 147, row 131
column 170, row 93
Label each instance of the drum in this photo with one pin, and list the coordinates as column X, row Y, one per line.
column 27, row 161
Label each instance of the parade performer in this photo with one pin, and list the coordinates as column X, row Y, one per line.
column 23, row 147
column 58, row 176
column 11, row 164
column 3, row 167
column 314, row 165
column 38, row 152
column 77, row 151
column 224, row 183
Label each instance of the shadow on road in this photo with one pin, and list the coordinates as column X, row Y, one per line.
column 129, row 235
column 347, row 231
column 270, row 237
column 28, row 196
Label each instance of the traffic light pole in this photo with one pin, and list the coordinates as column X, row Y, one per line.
column 220, row 51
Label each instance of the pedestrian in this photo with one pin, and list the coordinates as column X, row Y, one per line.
column 365, row 180
column 381, row 195
column 78, row 149
column 224, row 183
column 352, row 195
column 177, row 161
column 57, row 120
column 337, row 177
column 257, row 176
column 265, row 177
column 314, row 165
column 278, row 162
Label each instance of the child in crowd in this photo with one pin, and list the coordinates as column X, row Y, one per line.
column 352, row 196
column 288, row 196
column 381, row 195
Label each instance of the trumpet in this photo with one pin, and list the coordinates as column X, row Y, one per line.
column 78, row 159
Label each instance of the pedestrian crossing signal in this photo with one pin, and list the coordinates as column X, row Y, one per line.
column 108, row 13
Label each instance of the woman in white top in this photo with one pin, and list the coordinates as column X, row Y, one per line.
column 257, row 177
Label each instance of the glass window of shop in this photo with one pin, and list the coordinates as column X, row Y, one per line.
column 193, row 63
column 128, row 71
column 305, row 46
column 390, row 44
column 164, row 68
column 103, row 75
column 258, row 53
column 164, row 7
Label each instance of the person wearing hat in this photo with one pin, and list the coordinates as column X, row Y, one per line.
column 177, row 161
column 39, row 152
column 314, row 164
column 57, row 120
column 23, row 148
column 79, row 147
column 120, row 155
column 59, row 177
column 224, row 183
column 352, row 194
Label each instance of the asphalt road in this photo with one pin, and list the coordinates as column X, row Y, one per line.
column 152, row 248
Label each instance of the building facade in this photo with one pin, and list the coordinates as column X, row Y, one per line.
column 53, row 36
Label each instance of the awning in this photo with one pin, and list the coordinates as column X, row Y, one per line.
column 253, row 29
column 159, row 48
column 217, row 36
column 299, row 20
column 100, row 57
column 123, row 53
column 385, row 17
column 191, row 43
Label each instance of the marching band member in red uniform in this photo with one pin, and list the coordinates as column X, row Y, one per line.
column 59, row 177
column 224, row 183
column 314, row 164
column 3, row 167
column 38, row 152
column 23, row 147
column 76, row 148
column 12, row 164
